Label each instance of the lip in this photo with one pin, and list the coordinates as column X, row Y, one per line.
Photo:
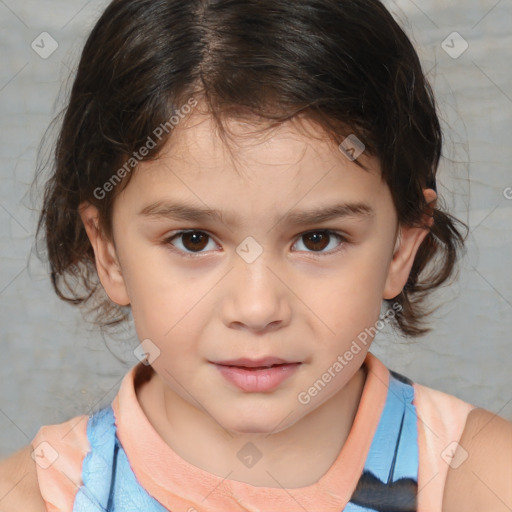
column 255, row 363
column 253, row 379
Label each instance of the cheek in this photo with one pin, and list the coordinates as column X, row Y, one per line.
column 353, row 297
column 150, row 283
column 349, row 306
column 169, row 310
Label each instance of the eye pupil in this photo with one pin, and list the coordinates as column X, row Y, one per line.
column 320, row 240
column 194, row 237
column 197, row 241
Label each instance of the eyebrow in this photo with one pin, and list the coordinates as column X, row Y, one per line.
column 185, row 212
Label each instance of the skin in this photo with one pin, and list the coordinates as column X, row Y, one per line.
column 480, row 484
column 483, row 481
column 290, row 302
column 285, row 303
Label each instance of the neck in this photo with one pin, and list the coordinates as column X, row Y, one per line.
column 295, row 457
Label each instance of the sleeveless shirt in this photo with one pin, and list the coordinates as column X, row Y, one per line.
column 395, row 459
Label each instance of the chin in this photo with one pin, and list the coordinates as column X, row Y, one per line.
column 260, row 423
column 250, row 428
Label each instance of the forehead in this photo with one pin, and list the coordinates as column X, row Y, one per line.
column 198, row 143
column 253, row 171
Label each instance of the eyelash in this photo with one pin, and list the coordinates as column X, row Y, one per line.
column 168, row 241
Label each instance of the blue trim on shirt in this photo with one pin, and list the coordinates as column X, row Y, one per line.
column 389, row 477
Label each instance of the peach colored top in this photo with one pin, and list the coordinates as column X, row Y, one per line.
column 178, row 485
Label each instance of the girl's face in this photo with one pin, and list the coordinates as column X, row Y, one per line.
column 275, row 263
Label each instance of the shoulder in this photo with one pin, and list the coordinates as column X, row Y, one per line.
column 19, row 487
column 480, row 477
column 51, row 482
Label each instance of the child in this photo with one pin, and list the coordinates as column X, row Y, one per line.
column 295, row 144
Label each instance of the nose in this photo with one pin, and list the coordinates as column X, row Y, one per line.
column 257, row 297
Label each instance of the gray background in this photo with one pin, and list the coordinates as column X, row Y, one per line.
column 56, row 366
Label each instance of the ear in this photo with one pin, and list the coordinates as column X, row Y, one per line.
column 107, row 263
column 408, row 243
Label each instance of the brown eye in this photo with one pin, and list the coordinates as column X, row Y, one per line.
column 318, row 241
column 194, row 241
column 189, row 241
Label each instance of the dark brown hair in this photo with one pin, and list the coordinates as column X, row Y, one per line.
column 345, row 64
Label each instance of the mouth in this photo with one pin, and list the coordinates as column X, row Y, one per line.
column 253, row 376
column 256, row 364
column 255, row 368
